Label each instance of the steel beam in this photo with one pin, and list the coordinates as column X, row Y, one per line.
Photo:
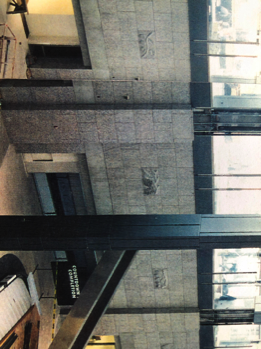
column 93, row 301
column 137, row 232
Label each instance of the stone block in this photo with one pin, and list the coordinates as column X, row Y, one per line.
column 106, row 126
column 86, row 116
column 161, row 92
column 142, row 92
column 123, row 92
column 162, row 298
column 107, row 325
column 144, row 268
column 176, row 299
column 184, row 156
column 148, row 155
column 134, row 73
column 144, row 15
column 98, row 172
column 162, row 6
column 124, row 116
column 153, row 340
column 106, row 6
column 140, row 339
column 112, row 155
column 110, row 22
column 175, row 282
column 180, row 23
column 163, row 321
column 192, row 322
column 167, row 74
column 170, row 209
column 145, row 132
column 185, row 181
column 88, row 132
column 126, row 132
column 148, row 298
column 163, row 27
column 130, row 156
column 165, row 55
column 136, row 200
column 95, row 155
column 103, row 92
column 182, row 67
column 150, row 69
column 128, row 26
column 83, row 92
column 158, row 259
column 162, row 116
column 165, row 338
column 168, row 172
column 163, row 133
column 133, row 173
column 182, row 122
column 180, row 340
column 136, row 325
column 177, row 322
column 134, row 299
column 125, row 5
column 168, row 189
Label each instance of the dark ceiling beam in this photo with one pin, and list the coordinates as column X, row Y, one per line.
column 79, row 324
column 132, row 232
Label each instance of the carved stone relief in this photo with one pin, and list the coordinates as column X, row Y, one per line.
column 160, row 278
column 150, row 180
column 146, row 44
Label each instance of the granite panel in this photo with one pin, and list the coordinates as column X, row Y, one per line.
column 112, row 155
column 180, row 340
column 95, row 155
column 106, row 6
column 127, row 22
column 162, row 115
column 180, row 92
column 170, row 209
column 103, row 92
column 182, row 124
column 184, row 156
column 167, row 74
column 177, row 322
column 150, row 69
column 162, row 300
column 106, row 126
column 134, row 73
column 133, row 173
column 148, row 155
column 166, row 157
column 140, row 338
column 122, row 325
column 144, row 15
column 162, row 6
column 165, row 338
column 86, row 116
column 180, row 21
column 113, row 46
column 88, row 132
column 125, row 5
column 165, row 55
column 110, row 22
column 182, row 67
column 123, row 92
column 142, row 92
column 192, row 322
column 136, row 325
column 163, row 27
column 133, row 299
column 153, row 340
column 130, row 157
column 124, row 116
column 161, row 92
column 116, row 173
column 126, row 132
column 185, row 181
column 163, row 133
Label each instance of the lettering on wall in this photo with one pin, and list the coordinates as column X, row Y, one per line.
column 74, row 282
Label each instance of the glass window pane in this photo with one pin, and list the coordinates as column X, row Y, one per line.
column 227, row 336
column 234, row 20
column 236, row 95
column 234, row 278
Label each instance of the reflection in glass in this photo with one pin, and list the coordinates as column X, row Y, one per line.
column 234, row 20
column 235, row 278
column 234, row 336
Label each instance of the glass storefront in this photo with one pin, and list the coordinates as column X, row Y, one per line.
column 234, row 53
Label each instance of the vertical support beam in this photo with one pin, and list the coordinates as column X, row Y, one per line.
column 93, row 301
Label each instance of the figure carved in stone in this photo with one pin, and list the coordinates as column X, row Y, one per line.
column 160, row 278
column 146, row 43
column 150, row 180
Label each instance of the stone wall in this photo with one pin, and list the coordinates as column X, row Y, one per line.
column 140, row 161
column 156, row 303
